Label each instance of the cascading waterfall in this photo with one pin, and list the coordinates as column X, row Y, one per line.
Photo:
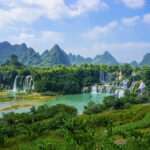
column 94, row 89
column 101, row 89
column 115, row 88
column 125, row 84
column 108, row 76
column 132, row 86
column 141, row 87
column 102, row 78
column 15, row 84
column 28, row 83
column 33, row 86
column 108, row 89
column 120, row 75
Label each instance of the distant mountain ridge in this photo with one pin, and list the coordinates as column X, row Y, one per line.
column 78, row 60
column 145, row 60
column 106, row 58
column 134, row 63
column 28, row 56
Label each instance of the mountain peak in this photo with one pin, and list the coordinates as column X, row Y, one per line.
column 55, row 56
column 134, row 63
column 105, row 58
column 107, row 53
column 24, row 46
column 146, row 60
column 56, row 46
column 5, row 44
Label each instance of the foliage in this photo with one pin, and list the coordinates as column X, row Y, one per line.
column 93, row 108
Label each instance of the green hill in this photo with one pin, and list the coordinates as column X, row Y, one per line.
column 134, row 63
column 78, row 60
column 26, row 55
column 54, row 57
column 106, row 58
column 146, row 60
column 13, row 62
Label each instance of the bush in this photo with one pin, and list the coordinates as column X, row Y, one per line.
column 93, row 108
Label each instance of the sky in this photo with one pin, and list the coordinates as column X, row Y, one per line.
column 85, row 27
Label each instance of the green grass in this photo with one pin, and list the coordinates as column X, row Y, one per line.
column 136, row 118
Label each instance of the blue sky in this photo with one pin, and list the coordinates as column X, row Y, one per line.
column 85, row 27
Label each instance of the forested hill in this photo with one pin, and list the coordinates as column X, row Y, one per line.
column 26, row 55
column 106, row 58
column 55, row 56
column 30, row 57
column 78, row 60
column 146, row 60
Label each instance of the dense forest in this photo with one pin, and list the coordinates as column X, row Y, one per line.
column 119, row 123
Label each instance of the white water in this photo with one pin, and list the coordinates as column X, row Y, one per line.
column 120, row 93
column 15, row 84
column 141, row 87
column 102, row 78
column 94, row 90
column 28, row 83
column 120, row 75
column 108, row 89
column 125, row 84
column 108, row 76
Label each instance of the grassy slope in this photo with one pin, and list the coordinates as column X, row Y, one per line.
column 138, row 117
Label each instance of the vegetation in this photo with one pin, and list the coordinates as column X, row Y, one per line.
column 59, row 127
column 146, row 60
column 117, row 124
column 106, row 58
column 78, row 60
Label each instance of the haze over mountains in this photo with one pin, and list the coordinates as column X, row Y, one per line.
column 56, row 55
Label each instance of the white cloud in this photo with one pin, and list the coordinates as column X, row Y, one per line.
column 30, row 10
column 146, row 18
column 134, row 3
column 130, row 21
column 98, row 31
column 39, row 42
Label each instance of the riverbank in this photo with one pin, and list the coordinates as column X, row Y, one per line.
column 4, row 97
column 21, row 101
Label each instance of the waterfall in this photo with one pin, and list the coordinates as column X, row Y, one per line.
column 33, row 86
column 125, row 84
column 101, row 89
column 15, row 84
column 132, row 86
column 141, row 87
column 119, row 93
column 102, row 79
column 120, row 75
column 108, row 76
column 94, row 90
column 28, row 83
column 108, row 89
